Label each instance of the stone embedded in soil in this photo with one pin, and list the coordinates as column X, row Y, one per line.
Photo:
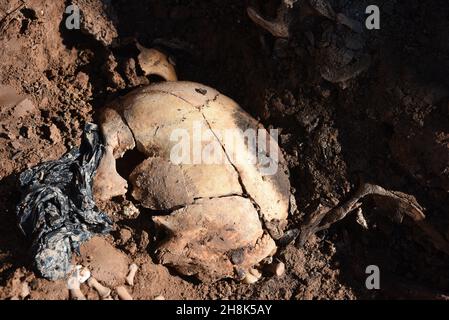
column 130, row 210
column 55, row 134
column 81, row 81
column 125, row 235
column 24, row 108
column 14, row 105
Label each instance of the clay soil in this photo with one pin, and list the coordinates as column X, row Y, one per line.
column 388, row 125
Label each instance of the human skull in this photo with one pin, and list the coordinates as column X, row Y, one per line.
column 223, row 215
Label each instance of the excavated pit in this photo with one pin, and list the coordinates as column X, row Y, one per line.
column 388, row 125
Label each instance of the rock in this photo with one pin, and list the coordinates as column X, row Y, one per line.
column 130, row 210
column 55, row 135
column 144, row 240
column 131, row 248
column 24, row 108
column 125, row 235
column 14, row 105
column 81, row 81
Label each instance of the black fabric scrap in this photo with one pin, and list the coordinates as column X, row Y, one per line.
column 57, row 212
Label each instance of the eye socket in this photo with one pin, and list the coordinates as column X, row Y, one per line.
column 130, row 160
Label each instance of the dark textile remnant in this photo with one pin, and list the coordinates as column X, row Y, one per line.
column 57, row 211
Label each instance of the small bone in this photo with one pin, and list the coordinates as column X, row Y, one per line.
column 255, row 273
column 250, row 279
column 84, row 274
column 252, row 276
column 107, row 182
column 102, row 290
column 79, row 275
column 123, row 294
column 154, row 62
column 74, row 287
column 159, row 298
column 25, row 292
column 132, row 273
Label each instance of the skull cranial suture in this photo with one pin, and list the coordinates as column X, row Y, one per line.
column 223, row 217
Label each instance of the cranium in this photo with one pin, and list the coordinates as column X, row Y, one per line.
column 224, row 215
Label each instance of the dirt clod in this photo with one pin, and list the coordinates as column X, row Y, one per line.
column 106, row 263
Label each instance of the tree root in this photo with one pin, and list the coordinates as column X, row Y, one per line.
column 278, row 27
column 400, row 203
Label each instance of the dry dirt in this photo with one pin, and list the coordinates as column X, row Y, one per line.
column 389, row 126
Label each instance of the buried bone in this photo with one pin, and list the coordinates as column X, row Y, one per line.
column 123, row 294
column 73, row 284
column 252, row 276
column 132, row 273
column 103, row 292
column 276, row 268
column 239, row 201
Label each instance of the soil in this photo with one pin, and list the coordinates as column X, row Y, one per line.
column 389, row 125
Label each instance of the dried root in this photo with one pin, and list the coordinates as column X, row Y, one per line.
column 278, row 27
column 401, row 203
